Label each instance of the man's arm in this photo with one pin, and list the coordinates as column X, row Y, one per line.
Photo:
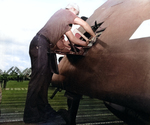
column 74, row 39
column 85, row 25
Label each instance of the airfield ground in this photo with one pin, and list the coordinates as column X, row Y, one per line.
column 91, row 111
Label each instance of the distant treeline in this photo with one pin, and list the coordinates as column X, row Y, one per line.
column 4, row 78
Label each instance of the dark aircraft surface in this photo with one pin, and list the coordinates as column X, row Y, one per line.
column 116, row 69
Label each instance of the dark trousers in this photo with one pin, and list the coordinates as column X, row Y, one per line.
column 37, row 96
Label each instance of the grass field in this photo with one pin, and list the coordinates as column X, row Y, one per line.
column 13, row 100
column 17, row 91
column 15, row 84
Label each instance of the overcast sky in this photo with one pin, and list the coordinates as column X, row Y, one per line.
column 20, row 20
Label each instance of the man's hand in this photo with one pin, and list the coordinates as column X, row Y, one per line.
column 93, row 39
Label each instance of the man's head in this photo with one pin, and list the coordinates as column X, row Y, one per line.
column 74, row 8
